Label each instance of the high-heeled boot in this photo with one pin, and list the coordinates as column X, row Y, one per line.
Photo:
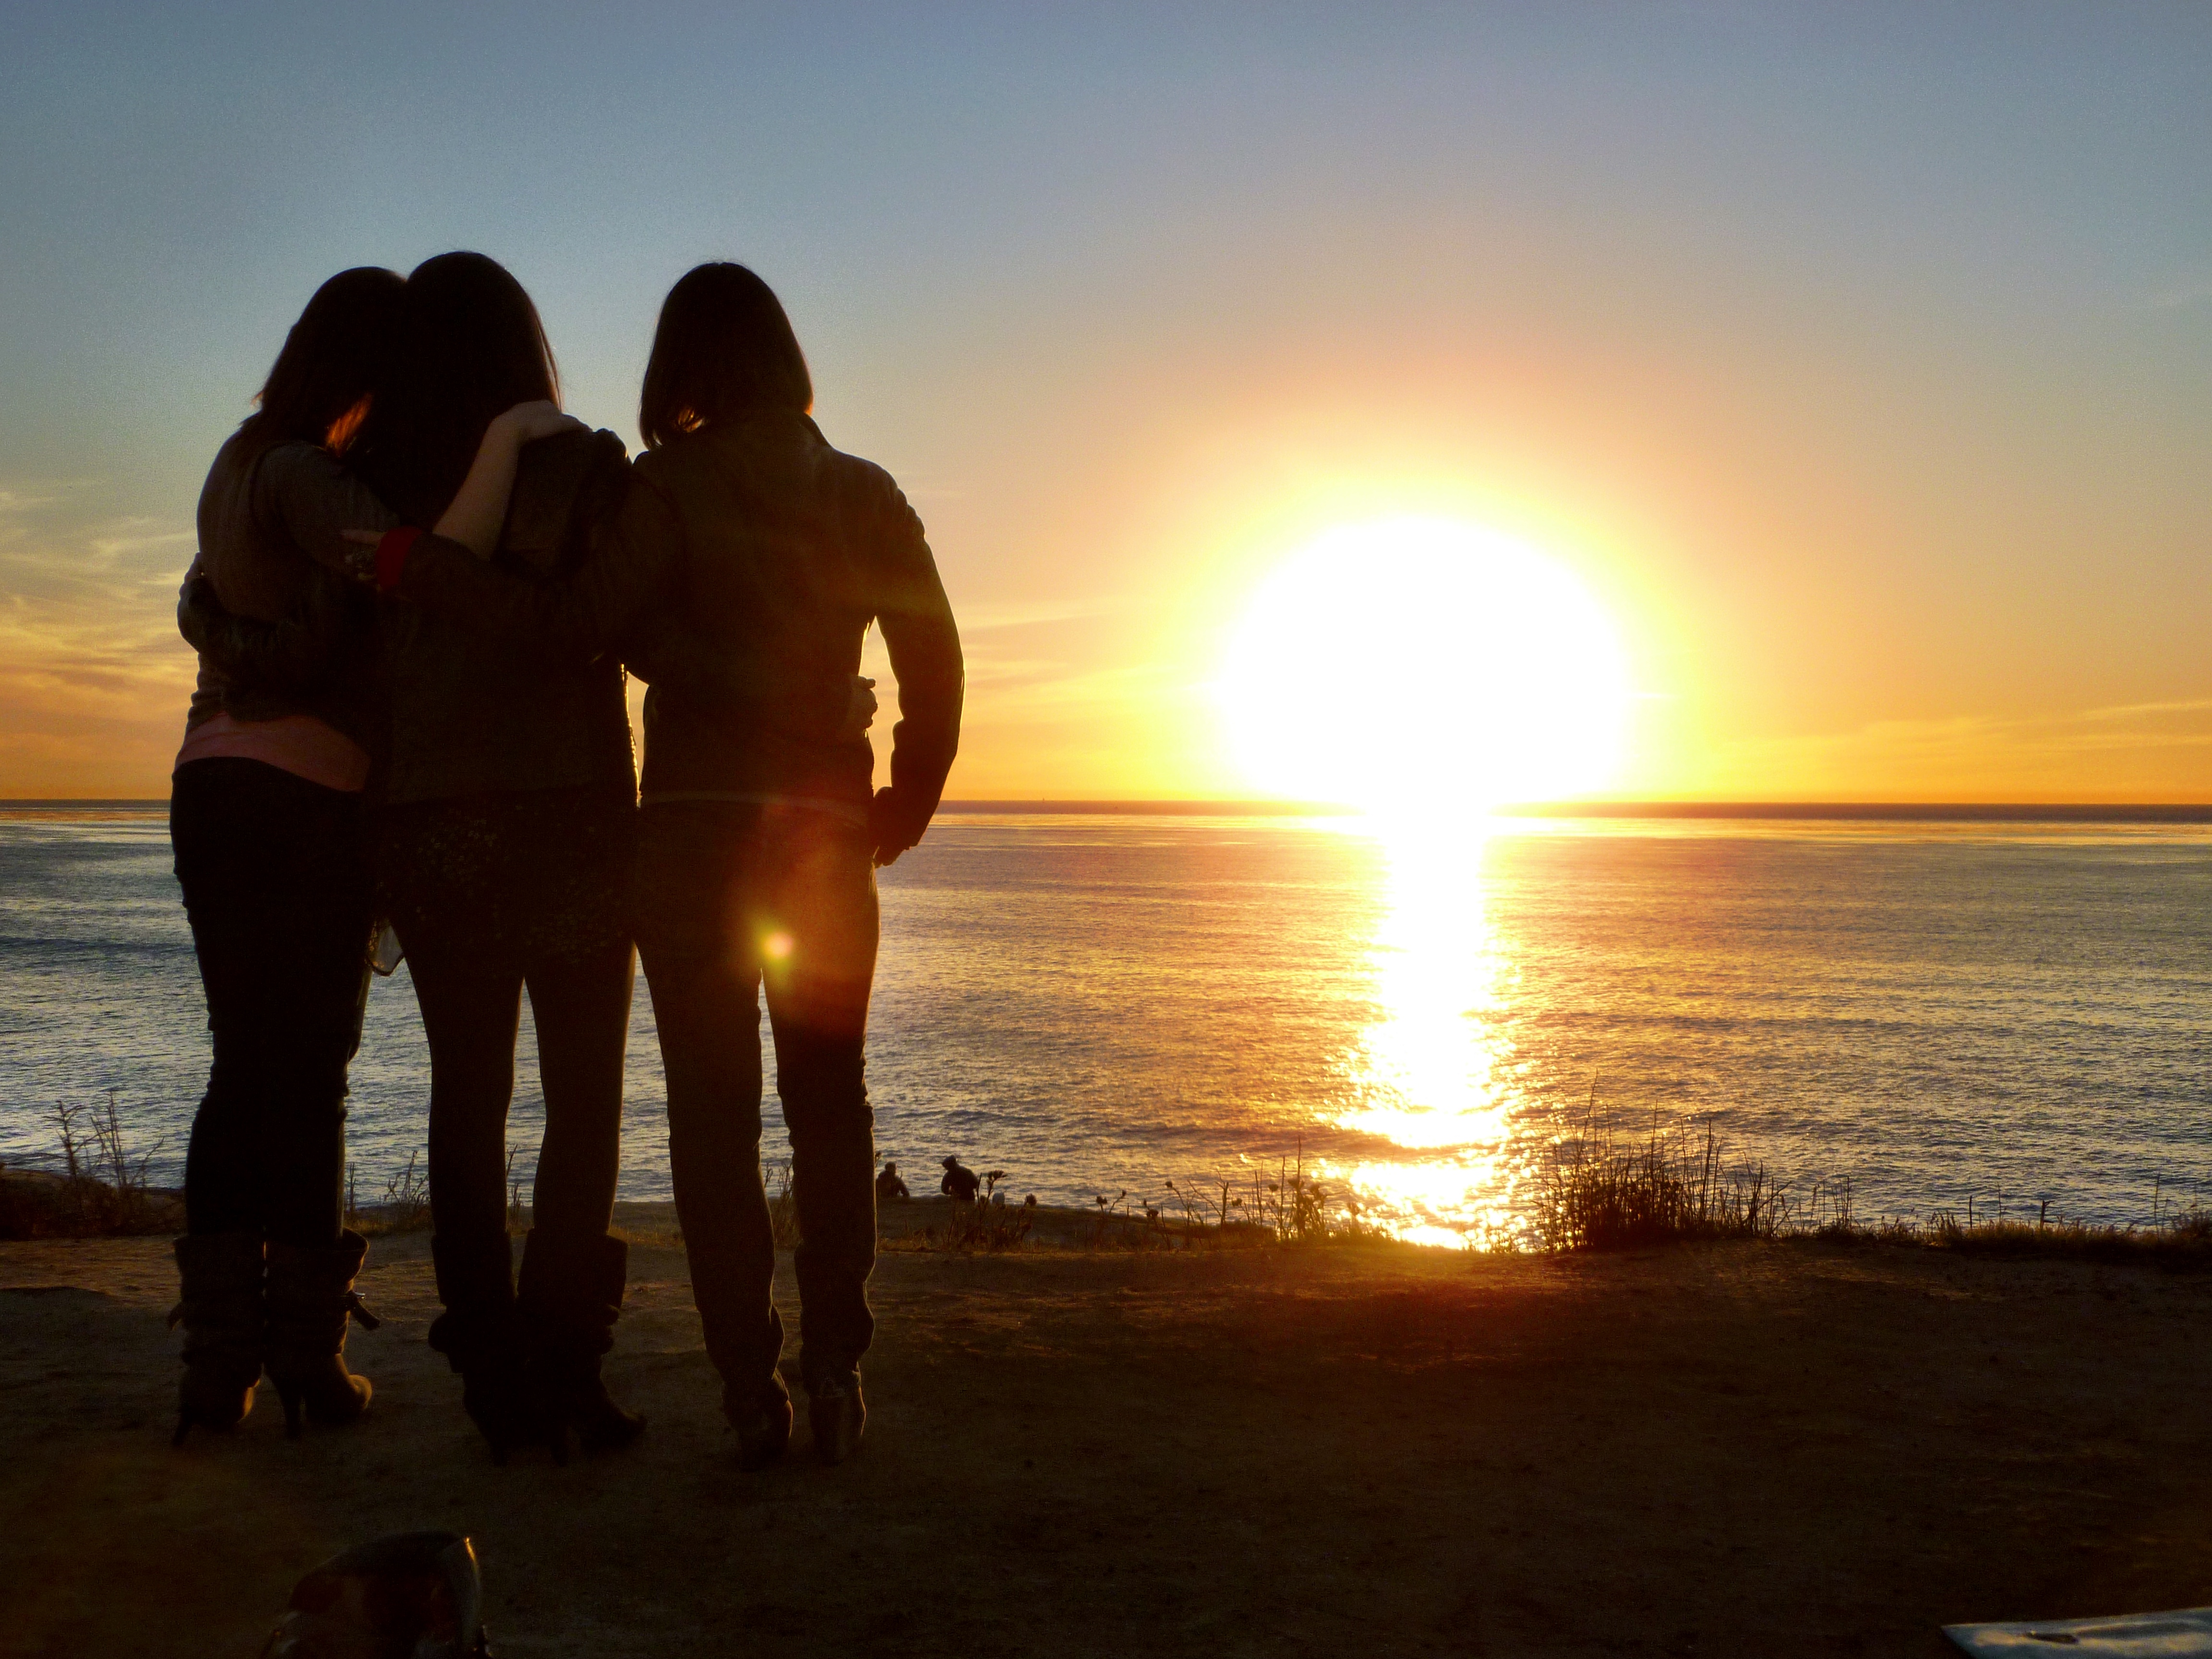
column 309, row 1301
column 482, row 1336
column 571, row 1294
column 220, row 1307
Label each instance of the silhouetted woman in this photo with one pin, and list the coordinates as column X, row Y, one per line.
column 265, row 816
column 757, row 845
column 504, row 848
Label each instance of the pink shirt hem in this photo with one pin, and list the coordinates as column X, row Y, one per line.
column 298, row 744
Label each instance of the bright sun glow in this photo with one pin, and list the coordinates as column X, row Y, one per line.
column 1421, row 663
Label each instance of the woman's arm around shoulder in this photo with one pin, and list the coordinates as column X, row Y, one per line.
column 304, row 493
column 295, row 658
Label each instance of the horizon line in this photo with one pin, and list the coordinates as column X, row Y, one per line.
column 1862, row 812
column 1903, row 812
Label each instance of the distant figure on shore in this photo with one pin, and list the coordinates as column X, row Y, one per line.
column 890, row 1185
column 960, row 1183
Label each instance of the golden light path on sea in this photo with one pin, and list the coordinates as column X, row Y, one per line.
column 1433, row 1072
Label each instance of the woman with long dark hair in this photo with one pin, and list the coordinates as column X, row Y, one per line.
column 758, row 844
column 504, row 850
column 265, row 816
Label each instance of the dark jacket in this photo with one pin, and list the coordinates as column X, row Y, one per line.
column 740, row 578
column 474, row 713
column 279, row 629
column 625, row 600
column 786, row 550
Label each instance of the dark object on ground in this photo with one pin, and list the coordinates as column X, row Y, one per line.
column 571, row 1294
column 219, row 1305
column 960, row 1183
column 890, row 1185
column 836, row 1413
column 411, row 1596
column 310, row 1301
column 763, row 1421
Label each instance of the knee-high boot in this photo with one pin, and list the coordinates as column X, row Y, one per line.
column 482, row 1336
column 220, row 1307
column 571, row 1295
column 311, row 1298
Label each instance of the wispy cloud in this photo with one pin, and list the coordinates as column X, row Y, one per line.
column 2155, row 750
column 21, row 500
column 2134, row 710
column 988, row 619
column 93, row 676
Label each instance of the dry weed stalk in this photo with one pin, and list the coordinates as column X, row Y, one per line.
column 1293, row 1208
column 404, row 1207
column 988, row 1223
column 1675, row 1188
column 103, row 1189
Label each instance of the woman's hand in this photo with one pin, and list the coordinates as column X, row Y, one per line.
column 861, row 712
column 361, row 557
column 527, row 423
column 473, row 517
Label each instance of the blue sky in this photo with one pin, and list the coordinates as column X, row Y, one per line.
column 1855, row 356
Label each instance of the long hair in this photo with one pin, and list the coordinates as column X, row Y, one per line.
column 332, row 360
column 470, row 345
column 724, row 348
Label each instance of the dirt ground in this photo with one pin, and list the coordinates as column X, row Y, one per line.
column 1756, row 1450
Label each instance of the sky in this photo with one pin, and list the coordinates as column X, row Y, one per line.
column 1856, row 360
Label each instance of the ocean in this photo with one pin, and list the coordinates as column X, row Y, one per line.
column 2004, row 1015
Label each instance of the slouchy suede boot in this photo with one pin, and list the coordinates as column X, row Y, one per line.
column 309, row 1301
column 482, row 1336
column 220, row 1308
column 571, row 1295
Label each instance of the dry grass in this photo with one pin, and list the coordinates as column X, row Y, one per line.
column 1677, row 1188
column 2179, row 1234
column 1246, row 1209
column 101, row 1190
column 988, row 1223
column 404, row 1206
column 1674, row 1188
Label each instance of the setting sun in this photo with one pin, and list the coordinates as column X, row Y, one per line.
column 1417, row 662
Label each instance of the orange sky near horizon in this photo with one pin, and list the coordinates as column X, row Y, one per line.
column 1861, row 380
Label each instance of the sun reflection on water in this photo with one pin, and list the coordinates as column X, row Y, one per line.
column 1434, row 1075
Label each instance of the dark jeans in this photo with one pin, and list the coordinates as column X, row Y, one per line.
column 490, row 896
column 731, row 899
column 276, row 881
